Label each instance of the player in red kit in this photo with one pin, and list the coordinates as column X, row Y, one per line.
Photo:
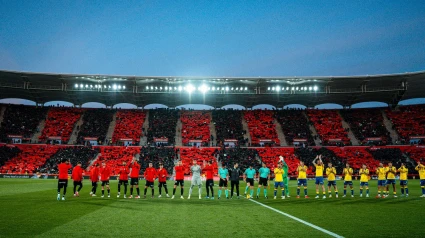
column 77, row 176
column 134, row 177
column 94, row 177
column 150, row 175
column 63, row 177
column 209, row 171
column 105, row 172
column 162, row 179
column 179, row 179
column 123, row 179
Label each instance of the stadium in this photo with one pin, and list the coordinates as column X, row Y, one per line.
column 116, row 155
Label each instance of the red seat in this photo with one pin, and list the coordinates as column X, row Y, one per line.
column 261, row 126
column 60, row 122
column 328, row 125
column 195, row 126
column 129, row 125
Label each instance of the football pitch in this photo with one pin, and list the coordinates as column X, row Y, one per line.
column 29, row 209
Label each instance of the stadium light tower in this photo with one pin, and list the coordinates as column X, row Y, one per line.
column 190, row 88
column 204, row 88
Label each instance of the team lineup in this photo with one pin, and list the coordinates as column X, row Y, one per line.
column 386, row 177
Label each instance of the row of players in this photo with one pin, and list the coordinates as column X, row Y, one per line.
column 386, row 177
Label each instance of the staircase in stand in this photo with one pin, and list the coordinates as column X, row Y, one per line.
column 389, row 125
column 313, row 131
column 351, row 135
column 75, row 131
column 246, row 128
column 145, row 126
column 40, row 128
column 213, row 132
column 178, row 137
column 111, row 128
column 280, row 134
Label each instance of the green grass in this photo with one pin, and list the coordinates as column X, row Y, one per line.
column 29, row 209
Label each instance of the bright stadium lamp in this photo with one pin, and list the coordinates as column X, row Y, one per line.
column 213, row 88
column 151, row 87
column 123, row 87
column 180, row 88
column 160, row 88
column 246, row 88
column 175, row 88
column 278, row 88
column 147, row 87
column 76, row 85
column 190, row 88
column 91, row 86
column 203, row 88
column 292, row 88
column 119, row 86
column 287, row 88
column 95, row 86
column 273, row 88
column 227, row 88
column 114, row 87
column 296, row 88
column 268, row 88
column 305, row 88
column 166, row 88
column 315, row 88
column 87, row 85
column 310, row 88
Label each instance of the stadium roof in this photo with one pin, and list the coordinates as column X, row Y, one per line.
column 214, row 91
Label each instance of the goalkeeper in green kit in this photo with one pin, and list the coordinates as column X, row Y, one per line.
column 285, row 175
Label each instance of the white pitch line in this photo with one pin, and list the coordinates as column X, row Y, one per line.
column 298, row 219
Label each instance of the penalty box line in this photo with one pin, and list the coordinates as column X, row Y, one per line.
column 297, row 219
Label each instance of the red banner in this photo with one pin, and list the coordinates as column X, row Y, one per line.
column 417, row 137
column 90, row 138
column 230, row 140
column 160, row 139
column 300, row 140
column 374, row 139
column 126, row 139
column 54, row 138
column 14, row 136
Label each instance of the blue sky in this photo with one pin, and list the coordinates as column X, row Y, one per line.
column 213, row 38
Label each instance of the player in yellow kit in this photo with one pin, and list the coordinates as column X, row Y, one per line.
column 421, row 169
column 391, row 172
column 278, row 180
column 302, row 179
column 381, row 172
column 403, row 179
column 348, row 179
column 319, row 175
column 364, row 180
column 331, row 173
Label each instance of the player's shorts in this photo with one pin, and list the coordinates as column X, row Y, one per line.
column 277, row 184
column 250, row 181
column 196, row 182
column 382, row 182
column 134, row 181
column 222, row 182
column 149, row 184
column 364, row 184
column 263, row 182
column 78, row 183
column 403, row 182
column 179, row 182
column 123, row 182
column 162, row 184
column 63, row 183
column 319, row 180
column 105, row 182
column 390, row 181
column 331, row 183
column 350, row 183
column 209, row 182
column 302, row 182
column 422, row 182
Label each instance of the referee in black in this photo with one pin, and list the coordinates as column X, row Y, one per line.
column 234, row 174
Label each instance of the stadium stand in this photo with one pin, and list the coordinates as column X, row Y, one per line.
column 71, row 153
column 408, row 121
column 307, row 155
column 156, row 155
column 367, row 123
column 270, row 156
column 60, row 123
column 394, row 155
column 195, row 126
column 129, row 125
column 162, row 124
column 329, row 126
column 115, row 155
column 356, row 156
column 30, row 160
column 416, row 153
column 243, row 156
column 202, row 155
column 260, row 124
column 21, row 120
column 6, row 153
column 228, row 125
column 96, row 123
column 294, row 125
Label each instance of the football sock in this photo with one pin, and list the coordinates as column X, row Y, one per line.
column 160, row 190
column 258, row 191
column 251, row 193
column 305, row 191
column 153, row 191
column 125, row 189
column 352, row 192
column 80, row 187
column 246, row 189
column 298, row 191
column 166, row 189
column 145, row 191
column 367, row 190
column 138, row 191
column 131, row 191
column 219, row 192
column 283, row 192
column 226, row 192
column 119, row 187
column 275, row 191
column 181, row 191
column 103, row 192
column 361, row 191
column 407, row 191
column 402, row 190
column 423, row 189
column 109, row 191
column 174, row 191
column 345, row 191
column 265, row 192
